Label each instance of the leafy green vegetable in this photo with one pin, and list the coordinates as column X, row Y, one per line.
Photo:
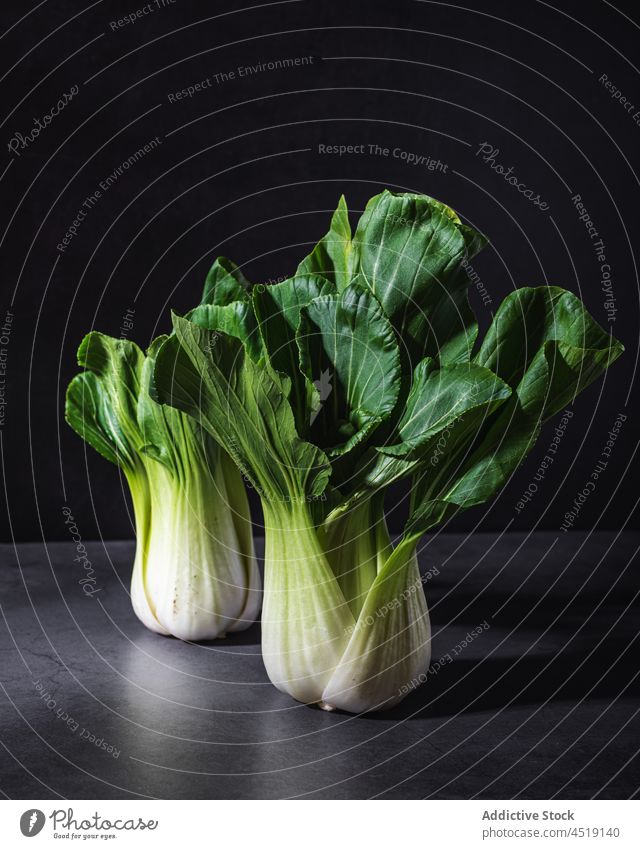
column 194, row 574
column 367, row 371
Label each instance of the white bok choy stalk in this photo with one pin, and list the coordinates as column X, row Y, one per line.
column 382, row 319
column 194, row 576
column 320, row 648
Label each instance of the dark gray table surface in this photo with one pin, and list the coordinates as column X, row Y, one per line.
column 543, row 703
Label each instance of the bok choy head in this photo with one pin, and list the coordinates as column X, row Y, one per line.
column 332, row 385
column 194, row 573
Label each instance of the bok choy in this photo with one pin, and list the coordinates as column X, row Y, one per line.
column 361, row 370
column 194, row 574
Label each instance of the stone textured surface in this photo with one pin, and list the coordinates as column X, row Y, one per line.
column 543, row 703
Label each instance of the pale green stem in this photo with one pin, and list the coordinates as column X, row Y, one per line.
column 357, row 546
column 390, row 646
column 305, row 622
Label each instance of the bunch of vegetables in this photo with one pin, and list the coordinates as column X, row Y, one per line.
column 361, row 370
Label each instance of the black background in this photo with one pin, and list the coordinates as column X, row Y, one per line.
column 238, row 173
